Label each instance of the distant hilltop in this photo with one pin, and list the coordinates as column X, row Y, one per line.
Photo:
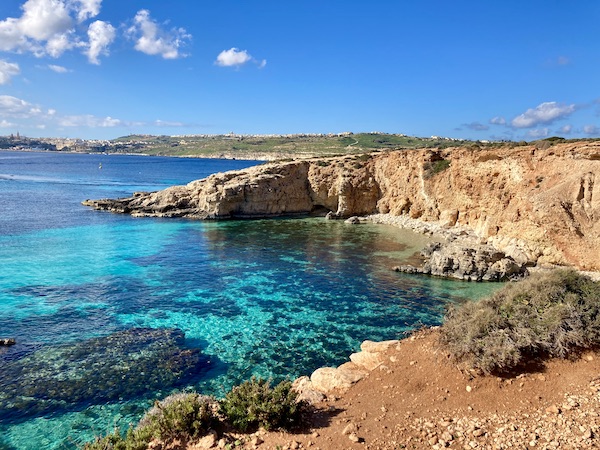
column 250, row 146
column 239, row 146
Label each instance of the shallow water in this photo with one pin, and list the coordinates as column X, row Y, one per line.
column 273, row 298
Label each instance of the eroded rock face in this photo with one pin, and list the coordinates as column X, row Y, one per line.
column 535, row 205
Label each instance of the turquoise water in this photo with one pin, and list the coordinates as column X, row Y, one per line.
column 92, row 298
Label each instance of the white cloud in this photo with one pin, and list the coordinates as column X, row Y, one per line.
column 591, row 129
column 101, row 35
column 60, row 43
column 87, row 9
column 42, row 19
column 544, row 113
column 44, row 28
column 498, row 120
column 15, row 108
column 57, row 69
column 7, row 71
column 151, row 39
column 233, row 57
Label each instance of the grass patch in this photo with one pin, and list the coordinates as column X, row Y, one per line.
column 546, row 315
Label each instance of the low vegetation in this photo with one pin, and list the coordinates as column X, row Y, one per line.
column 432, row 168
column 188, row 416
column 255, row 404
column 547, row 315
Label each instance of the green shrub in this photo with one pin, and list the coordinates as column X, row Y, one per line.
column 109, row 442
column 432, row 168
column 179, row 416
column 547, row 315
column 254, row 403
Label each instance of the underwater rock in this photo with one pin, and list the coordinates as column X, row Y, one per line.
column 7, row 342
column 122, row 365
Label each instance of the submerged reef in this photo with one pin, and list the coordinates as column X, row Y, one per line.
column 125, row 364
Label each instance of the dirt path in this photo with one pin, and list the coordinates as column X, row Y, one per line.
column 416, row 400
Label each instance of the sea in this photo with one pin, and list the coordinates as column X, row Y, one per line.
column 112, row 312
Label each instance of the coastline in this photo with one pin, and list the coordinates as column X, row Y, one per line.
column 464, row 235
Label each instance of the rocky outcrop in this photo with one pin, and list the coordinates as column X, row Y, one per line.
column 328, row 380
column 535, row 205
column 472, row 262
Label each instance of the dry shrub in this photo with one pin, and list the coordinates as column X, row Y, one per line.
column 548, row 315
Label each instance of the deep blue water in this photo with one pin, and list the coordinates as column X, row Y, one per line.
column 85, row 292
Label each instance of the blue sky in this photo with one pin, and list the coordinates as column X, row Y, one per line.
column 467, row 69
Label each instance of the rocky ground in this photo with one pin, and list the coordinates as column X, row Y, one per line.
column 416, row 399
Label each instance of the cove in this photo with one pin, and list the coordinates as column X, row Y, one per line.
column 274, row 298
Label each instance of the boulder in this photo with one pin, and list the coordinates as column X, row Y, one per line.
column 467, row 260
column 326, row 379
column 368, row 360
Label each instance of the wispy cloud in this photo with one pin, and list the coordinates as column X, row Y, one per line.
column 538, row 133
column 89, row 121
column 476, row 126
column 6, row 124
column 567, row 129
column 151, row 39
column 18, row 112
column 235, row 57
column 592, row 130
column 545, row 113
column 58, row 69
column 166, row 123
column 7, row 71
column 498, row 120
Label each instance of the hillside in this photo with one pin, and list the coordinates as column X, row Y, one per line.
column 272, row 147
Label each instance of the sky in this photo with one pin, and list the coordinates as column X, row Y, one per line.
column 472, row 69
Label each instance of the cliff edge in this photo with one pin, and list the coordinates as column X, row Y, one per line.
column 538, row 205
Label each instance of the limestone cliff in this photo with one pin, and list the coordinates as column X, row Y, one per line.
column 538, row 205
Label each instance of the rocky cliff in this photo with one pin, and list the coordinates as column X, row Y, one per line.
column 539, row 205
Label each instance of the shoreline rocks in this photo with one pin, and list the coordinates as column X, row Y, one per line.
column 327, row 381
column 467, row 262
